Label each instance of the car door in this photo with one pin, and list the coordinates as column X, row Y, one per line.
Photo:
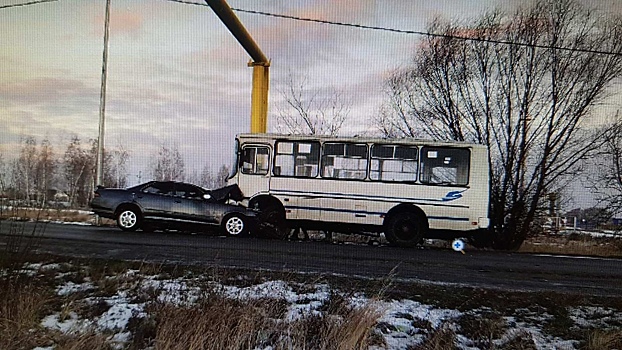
column 156, row 199
column 189, row 204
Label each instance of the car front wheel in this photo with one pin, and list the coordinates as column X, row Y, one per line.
column 128, row 219
column 235, row 225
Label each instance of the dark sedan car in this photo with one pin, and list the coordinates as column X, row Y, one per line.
column 166, row 204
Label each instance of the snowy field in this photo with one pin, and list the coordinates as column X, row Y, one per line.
column 402, row 324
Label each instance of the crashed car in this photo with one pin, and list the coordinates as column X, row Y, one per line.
column 170, row 204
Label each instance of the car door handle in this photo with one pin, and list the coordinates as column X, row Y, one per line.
column 177, row 201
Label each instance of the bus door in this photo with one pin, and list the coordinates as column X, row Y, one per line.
column 253, row 174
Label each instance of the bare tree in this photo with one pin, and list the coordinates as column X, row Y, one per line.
column 115, row 167
column 208, row 179
column 79, row 170
column 525, row 87
column 310, row 112
column 4, row 171
column 45, row 170
column 606, row 177
column 24, row 168
column 169, row 165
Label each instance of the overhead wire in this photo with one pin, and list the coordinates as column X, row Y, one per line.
column 25, row 4
column 411, row 32
column 378, row 28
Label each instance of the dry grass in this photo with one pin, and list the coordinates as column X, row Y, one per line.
column 482, row 328
column 573, row 244
column 608, row 339
column 49, row 214
column 521, row 340
column 442, row 338
column 22, row 305
column 214, row 324
column 347, row 329
column 24, row 299
column 217, row 322
column 89, row 340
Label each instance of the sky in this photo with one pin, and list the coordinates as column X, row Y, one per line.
column 178, row 78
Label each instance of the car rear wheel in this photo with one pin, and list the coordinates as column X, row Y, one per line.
column 235, row 225
column 128, row 219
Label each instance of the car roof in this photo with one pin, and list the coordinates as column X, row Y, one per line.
column 164, row 182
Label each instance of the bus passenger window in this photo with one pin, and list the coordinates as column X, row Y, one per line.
column 296, row 158
column 344, row 161
column 445, row 166
column 255, row 160
column 394, row 163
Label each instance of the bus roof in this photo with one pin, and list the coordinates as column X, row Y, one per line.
column 322, row 138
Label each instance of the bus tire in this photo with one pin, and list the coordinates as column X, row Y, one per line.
column 272, row 223
column 405, row 229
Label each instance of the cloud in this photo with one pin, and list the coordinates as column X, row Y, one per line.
column 40, row 90
column 123, row 21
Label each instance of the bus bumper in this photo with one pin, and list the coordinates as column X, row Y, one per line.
column 483, row 222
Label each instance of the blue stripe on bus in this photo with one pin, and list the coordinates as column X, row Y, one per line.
column 375, row 198
column 450, row 218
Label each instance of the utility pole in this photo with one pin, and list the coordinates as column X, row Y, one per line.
column 102, row 105
column 102, row 100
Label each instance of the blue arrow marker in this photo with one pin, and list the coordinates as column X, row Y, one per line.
column 458, row 246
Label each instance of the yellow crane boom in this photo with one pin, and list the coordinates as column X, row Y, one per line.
column 259, row 63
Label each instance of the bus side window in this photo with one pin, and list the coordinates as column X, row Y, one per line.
column 255, row 160
column 445, row 166
column 344, row 161
column 393, row 163
column 295, row 158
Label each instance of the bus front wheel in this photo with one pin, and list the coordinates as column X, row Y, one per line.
column 271, row 222
column 405, row 229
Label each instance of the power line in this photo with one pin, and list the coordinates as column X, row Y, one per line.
column 411, row 32
column 436, row 35
column 26, row 4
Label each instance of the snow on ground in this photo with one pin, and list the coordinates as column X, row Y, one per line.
column 403, row 323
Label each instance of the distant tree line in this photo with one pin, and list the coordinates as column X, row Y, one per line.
column 40, row 175
column 169, row 165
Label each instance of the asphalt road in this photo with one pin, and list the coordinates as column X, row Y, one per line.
column 487, row 269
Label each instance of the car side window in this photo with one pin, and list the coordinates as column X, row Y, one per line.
column 187, row 191
column 159, row 188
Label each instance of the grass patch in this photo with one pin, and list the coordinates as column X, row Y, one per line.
column 604, row 339
column 443, row 338
column 48, row 214
column 201, row 310
column 573, row 244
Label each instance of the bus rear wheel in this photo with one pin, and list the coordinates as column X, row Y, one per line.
column 405, row 229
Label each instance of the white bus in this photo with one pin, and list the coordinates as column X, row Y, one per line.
column 409, row 189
